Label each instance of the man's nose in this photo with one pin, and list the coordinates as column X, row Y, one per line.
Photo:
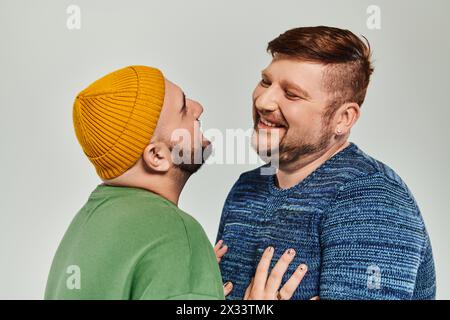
column 266, row 102
column 196, row 108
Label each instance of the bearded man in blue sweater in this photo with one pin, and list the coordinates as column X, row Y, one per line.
column 349, row 217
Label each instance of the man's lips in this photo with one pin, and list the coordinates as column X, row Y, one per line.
column 266, row 123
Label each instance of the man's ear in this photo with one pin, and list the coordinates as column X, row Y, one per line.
column 348, row 114
column 157, row 157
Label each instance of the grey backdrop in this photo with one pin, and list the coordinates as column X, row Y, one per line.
column 215, row 51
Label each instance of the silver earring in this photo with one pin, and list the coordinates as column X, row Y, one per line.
column 339, row 131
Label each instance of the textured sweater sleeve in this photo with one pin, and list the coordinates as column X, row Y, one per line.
column 373, row 242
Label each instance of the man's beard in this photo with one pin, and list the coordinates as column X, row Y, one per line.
column 293, row 146
column 292, row 149
column 197, row 158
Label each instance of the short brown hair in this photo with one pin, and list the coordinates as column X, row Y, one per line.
column 347, row 57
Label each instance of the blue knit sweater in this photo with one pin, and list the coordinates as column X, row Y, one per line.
column 353, row 221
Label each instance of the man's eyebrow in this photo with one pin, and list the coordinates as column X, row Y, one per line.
column 264, row 73
column 287, row 85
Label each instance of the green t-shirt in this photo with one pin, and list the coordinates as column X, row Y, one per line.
column 129, row 243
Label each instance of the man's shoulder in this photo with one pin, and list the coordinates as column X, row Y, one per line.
column 191, row 225
column 140, row 215
column 365, row 172
column 374, row 192
column 163, row 217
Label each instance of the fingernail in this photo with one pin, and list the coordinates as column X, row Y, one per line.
column 291, row 252
column 227, row 284
column 303, row 267
column 269, row 249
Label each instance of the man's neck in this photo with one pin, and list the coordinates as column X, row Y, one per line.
column 295, row 173
column 170, row 190
column 163, row 185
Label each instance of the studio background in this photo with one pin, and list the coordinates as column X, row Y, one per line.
column 215, row 51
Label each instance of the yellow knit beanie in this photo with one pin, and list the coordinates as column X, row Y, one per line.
column 115, row 117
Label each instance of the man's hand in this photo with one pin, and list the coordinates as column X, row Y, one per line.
column 264, row 286
column 267, row 287
column 220, row 250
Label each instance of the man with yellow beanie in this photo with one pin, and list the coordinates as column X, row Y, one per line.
column 130, row 240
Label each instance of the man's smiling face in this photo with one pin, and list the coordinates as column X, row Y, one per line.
column 291, row 101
